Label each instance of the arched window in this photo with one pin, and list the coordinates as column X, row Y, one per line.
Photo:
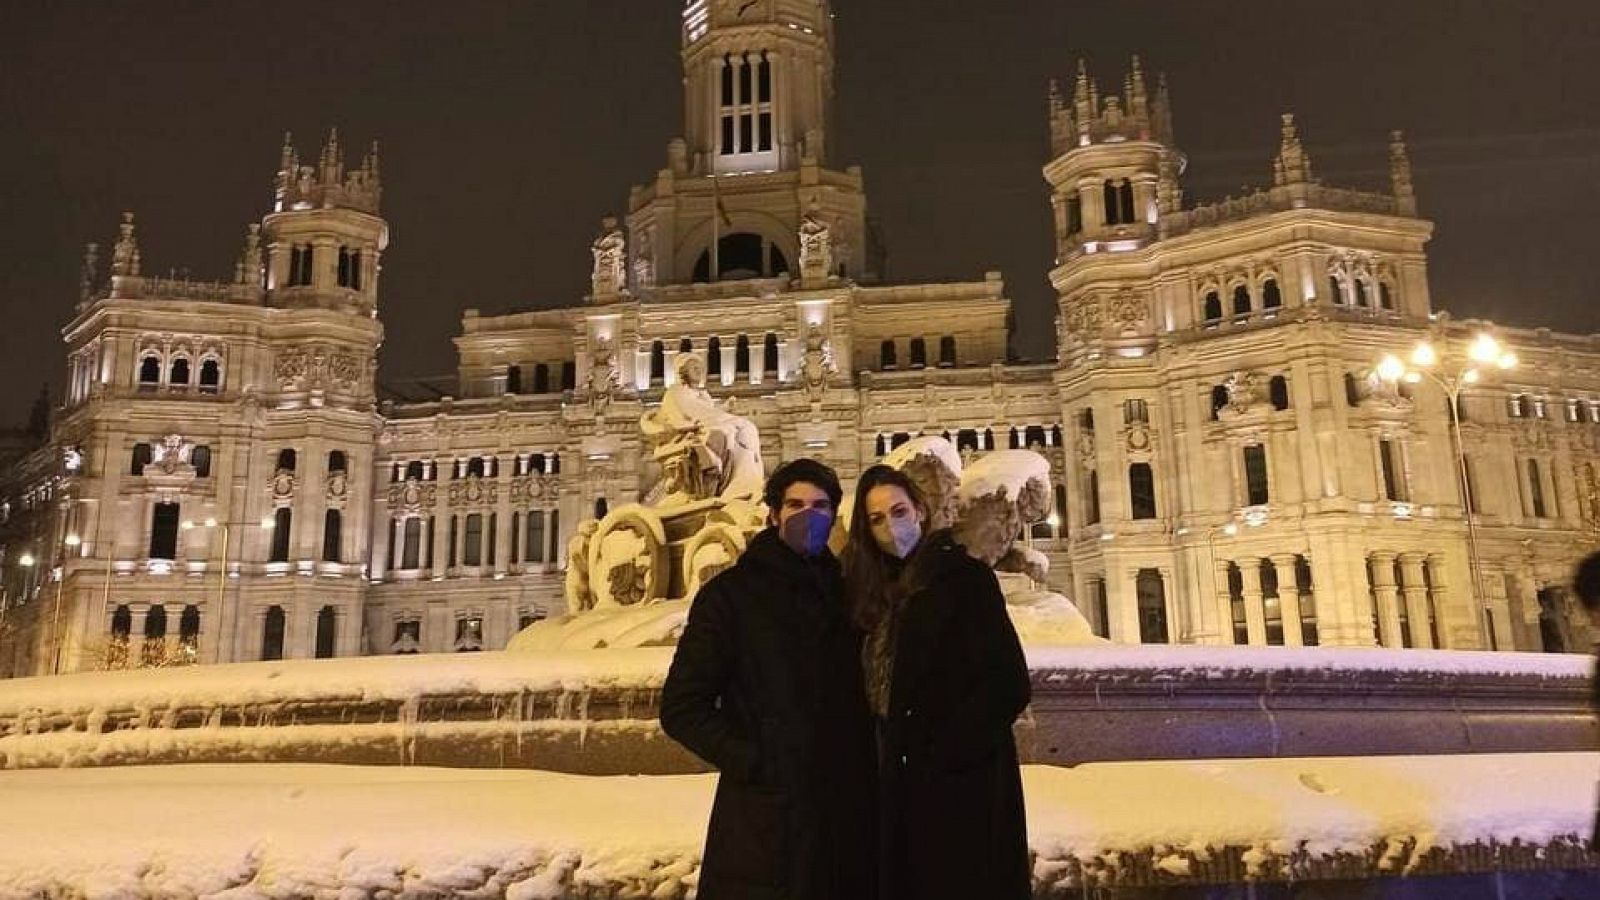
column 286, row 460
column 272, row 630
column 741, row 356
column 411, row 543
column 569, row 375
column 164, row 531
column 600, row 508
column 967, row 439
column 1352, row 390
column 302, row 259
column 1151, row 591
column 200, row 458
column 149, row 371
column 886, row 356
column 1385, row 295
column 1125, row 196
column 898, row 438
column 1219, row 399
column 658, row 362
column 1113, row 203
column 685, row 346
column 189, row 629
column 947, row 352
column 1335, row 290
column 414, row 470
column 179, row 373
column 142, row 455
column 155, row 636
column 1278, row 390
column 327, row 632
column 919, row 353
column 332, row 534
column 555, row 464
column 1271, row 297
column 534, row 551
column 714, row 357
column 282, row 520
column 513, row 379
column 1241, row 300
column 337, row 461
column 122, row 622
column 769, row 353
column 1213, row 306
column 475, row 467
column 1142, row 491
column 344, row 267
column 210, row 376
column 1360, row 285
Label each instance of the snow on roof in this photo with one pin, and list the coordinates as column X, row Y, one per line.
column 306, row 830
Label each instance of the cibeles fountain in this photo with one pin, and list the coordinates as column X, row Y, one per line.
column 632, row 575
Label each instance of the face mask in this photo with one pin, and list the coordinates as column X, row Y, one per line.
column 903, row 537
column 806, row 532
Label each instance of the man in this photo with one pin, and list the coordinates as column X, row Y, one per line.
column 766, row 686
column 1586, row 583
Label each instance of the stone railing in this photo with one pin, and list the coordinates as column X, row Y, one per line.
column 1278, row 199
column 147, row 287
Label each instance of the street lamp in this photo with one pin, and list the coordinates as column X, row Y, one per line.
column 70, row 541
column 1484, row 353
column 267, row 523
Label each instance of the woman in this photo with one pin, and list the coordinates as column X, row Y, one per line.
column 946, row 678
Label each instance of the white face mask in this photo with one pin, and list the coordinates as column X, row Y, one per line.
column 900, row 537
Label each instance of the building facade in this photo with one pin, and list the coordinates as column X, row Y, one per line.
column 225, row 481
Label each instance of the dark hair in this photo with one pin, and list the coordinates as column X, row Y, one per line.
column 1587, row 582
column 872, row 576
column 796, row 471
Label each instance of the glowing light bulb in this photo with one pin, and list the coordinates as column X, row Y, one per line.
column 1424, row 355
column 1484, row 348
column 1390, row 368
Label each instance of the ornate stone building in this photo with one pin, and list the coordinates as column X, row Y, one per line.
column 224, row 483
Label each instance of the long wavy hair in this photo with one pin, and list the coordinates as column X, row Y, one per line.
column 871, row 576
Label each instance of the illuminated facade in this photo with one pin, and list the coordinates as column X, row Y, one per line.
column 224, row 482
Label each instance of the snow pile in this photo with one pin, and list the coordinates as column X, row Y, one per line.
column 1007, row 471
column 655, row 624
column 1220, row 661
column 289, row 830
column 1044, row 618
column 936, row 447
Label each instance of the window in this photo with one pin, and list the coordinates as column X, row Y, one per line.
column 332, row 527
column 407, row 636
column 164, row 531
column 149, row 372
column 947, row 352
column 541, row 379
column 179, row 374
column 1135, row 412
column 210, row 376
column 1241, row 619
column 1385, row 295
column 746, row 104
column 555, row 534
column 1074, row 214
column 1142, row 491
column 1271, row 297
column 1352, row 390
column 1389, row 463
column 429, row 530
column 967, row 439
column 1102, row 607
column 741, row 356
column 489, row 542
column 1360, row 285
column 337, row 461
column 1255, row 475
column 714, row 358
column 1272, row 602
column 1335, row 290
column 569, row 375
column 200, row 458
column 1241, row 300
column 1278, row 391
column 155, row 636
column 1308, row 602
column 1213, row 306
column 455, row 529
column 528, row 617
column 601, row 508
column 534, row 548
column 472, row 548
column 658, row 362
column 1125, row 202
column 301, row 260
column 272, row 631
column 1219, row 400
column 327, row 625
column 919, row 353
column 886, row 355
column 1112, row 202
column 469, row 634
column 411, row 540
column 349, row 262
column 286, row 460
column 513, row 379
column 282, row 519
column 1151, row 591
column 142, row 454
column 475, row 467
column 769, row 353
column 414, row 470
column 1535, row 490
column 1091, row 499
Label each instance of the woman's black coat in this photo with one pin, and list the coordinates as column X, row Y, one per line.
column 954, row 825
column 766, row 686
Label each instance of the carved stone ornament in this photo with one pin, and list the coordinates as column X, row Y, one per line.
column 604, row 380
column 1138, row 438
column 172, row 452
column 291, row 367
column 282, row 484
column 816, row 245
column 412, row 496
column 473, row 491
column 610, row 260
column 338, row 485
column 534, row 488
column 1128, row 311
column 817, row 366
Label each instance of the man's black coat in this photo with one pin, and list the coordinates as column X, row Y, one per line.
column 766, row 686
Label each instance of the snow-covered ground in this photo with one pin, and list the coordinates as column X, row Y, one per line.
column 249, row 831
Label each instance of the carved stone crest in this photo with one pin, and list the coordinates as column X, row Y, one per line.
column 817, row 366
column 603, row 376
column 610, row 260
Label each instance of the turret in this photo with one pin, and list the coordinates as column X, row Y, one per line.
column 324, row 236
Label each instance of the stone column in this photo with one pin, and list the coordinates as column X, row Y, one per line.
column 1439, row 599
column 1255, row 613
column 1288, row 598
column 1223, row 598
column 502, row 531
column 1384, row 590
column 1414, row 587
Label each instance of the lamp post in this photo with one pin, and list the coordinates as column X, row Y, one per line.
column 222, row 572
column 1482, row 354
column 68, row 543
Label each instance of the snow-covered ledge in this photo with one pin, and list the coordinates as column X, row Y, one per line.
column 248, row 831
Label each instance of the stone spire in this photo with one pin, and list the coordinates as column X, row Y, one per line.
column 248, row 269
column 331, row 164
column 89, row 273
column 125, row 254
column 1293, row 165
column 1405, row 194
column 327, row 185
column 1161, row 113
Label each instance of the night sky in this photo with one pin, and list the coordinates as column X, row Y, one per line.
column 510, row 128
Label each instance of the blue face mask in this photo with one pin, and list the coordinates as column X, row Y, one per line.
column 806, row 532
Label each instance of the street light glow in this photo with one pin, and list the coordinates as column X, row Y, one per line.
column 72, row 540
column 1423, row 355
column 1390, row 368
column 26, row 559
column 1484, row 349
column 267, row 522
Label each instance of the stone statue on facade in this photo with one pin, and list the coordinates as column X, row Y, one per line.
column 817, row 366
column 610, row 251
column 816, row 246
column 703, row 449
column 603, row 377
column 644, row 261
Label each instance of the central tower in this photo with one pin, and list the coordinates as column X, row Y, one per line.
column 751, row 171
